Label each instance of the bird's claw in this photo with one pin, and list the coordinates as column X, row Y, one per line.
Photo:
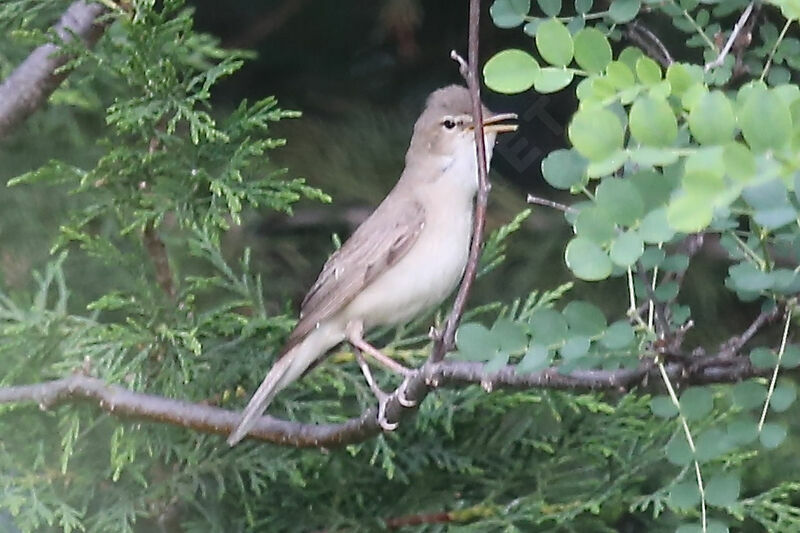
column 401, row 395
column 382, row 422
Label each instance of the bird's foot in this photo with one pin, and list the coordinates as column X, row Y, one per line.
column 383, row 400
column 401, row 395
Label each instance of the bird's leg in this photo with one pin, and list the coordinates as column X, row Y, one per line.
column 355, row 336
column 381, row 396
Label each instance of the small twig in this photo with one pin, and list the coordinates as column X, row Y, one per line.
column 652, row 45
column 732, row 37
column 34, row 80
column 774, row 379
column 446, row 341
column 549, row 203
column 157, row 251
column 768, row 65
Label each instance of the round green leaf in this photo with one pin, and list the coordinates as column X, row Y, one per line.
column 684, row 495
column 548, row 327
column 587, row 260
column 620, row 199
column 627, row 248
column 575, row 347
column 622, row 11
column 747, row 277
column 711, row 120
column 749, row 394
column 772, row 435
column 552, row 79
column 648, row 71
column 783, row 397
column 564, row 168
column 710, row 444
column 723, row 490
column 619, row 75
column 511, row 71
column 509, row 13
column 584, row 318
column 475, row 342
column 689, row 213
column 554, row 43
column 765, row 119
column 511, row 337
column 596, row 133
column 618, row 335
column 655, row 228
column 679, row 78
column 763, row 358
column 551, row 8
column 652, row 122
column 678, row 451
column 742, row 430
column 791, row 356
column 662, row 406
column 497, row 362
column 740, row 164
column 583, row 6
column 696, row 402
column 536, row 358
column 592, row 50
column 594, row 224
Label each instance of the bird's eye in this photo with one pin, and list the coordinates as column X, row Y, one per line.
column 449, row 123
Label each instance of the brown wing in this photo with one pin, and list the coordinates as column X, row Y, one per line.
column 377, row 244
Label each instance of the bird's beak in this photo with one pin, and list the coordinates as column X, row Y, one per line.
column 491, row 124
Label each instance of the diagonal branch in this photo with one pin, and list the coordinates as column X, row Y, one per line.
column 446, row 340
column 34, row 80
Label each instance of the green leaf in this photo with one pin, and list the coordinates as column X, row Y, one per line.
column 783, row 397
column 548, row 327
column 587, row 260
column 552, row 79
column 648, row 71
column 710, row 444
column 583, row 6
column 689, row 213
column 575, row 347
column 627, row 248
column 592, row 50
column 789, row 8
column 679, row 78
column 509, row 13
column 749, row 394
column 678, row 451
column 655, row 228
column 595, row 224
column 711, row 120
column 620, row 75
column 662, row 406
column 536, row 358
column 554, row 43
column 696, row 402
column 766, row 195
column 475, row 342
column 584, row 318
column 772, row 435
column 551, row 8
column 791, row 356
column 620, row 199
column 742, row 430
column 723, row 490
column 510, row 336
column 747, row 277
column 765, row 120
column 497, row 362
column 622, row 11
column 740, row 164
column 684, row 495
column 511, row 71
column 564, row 168
column 763, row 358
column 596, row 133
column 652, row 122
column 618, row 335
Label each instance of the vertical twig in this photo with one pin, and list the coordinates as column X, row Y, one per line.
column 732, row 38
column 446, row 340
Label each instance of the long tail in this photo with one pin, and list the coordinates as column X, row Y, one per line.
column 288, row 368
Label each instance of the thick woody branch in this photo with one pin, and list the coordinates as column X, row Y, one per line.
column 469, row 70
column 120, row 401
column 35, row 79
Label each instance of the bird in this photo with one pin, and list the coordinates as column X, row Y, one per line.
column 404, row 259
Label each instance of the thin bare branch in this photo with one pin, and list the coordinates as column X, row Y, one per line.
column 648, row 41
column 536, row 200
column 732, row 38
column 446, row 341
column 34, row 80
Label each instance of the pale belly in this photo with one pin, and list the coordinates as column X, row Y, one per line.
column 424, row 277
